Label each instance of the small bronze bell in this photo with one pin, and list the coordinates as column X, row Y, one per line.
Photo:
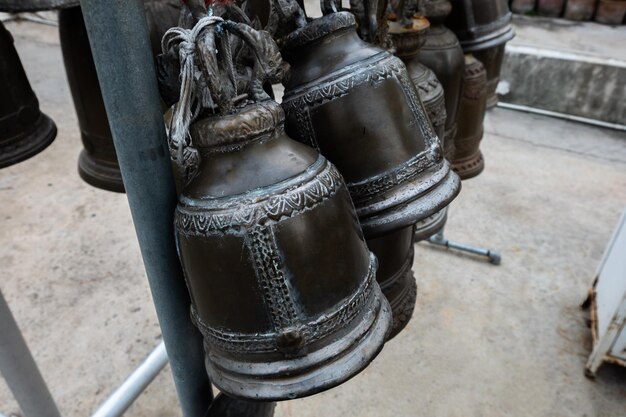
column 282, row 284
column 24, row 129
column 356, row 103
column 442, row 53
column 468, row 160
column 483, row 28
column 395, row 259
column 97, row 163
column 407, row 42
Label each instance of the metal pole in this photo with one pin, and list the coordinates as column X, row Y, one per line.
column 124, row 396
column 118, row 36
column 20, row 370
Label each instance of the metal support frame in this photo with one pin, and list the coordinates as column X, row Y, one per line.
column 126, row 394
column 20, row 370
column 118, row 35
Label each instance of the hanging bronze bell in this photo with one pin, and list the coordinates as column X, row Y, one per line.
column 395, row 275
column 356, row 103
column 282, row 284
column 97, row 163
column 407, row 42
column 468, row 160
column 483, row 28
column 268, row 222
column 442, row 53
column 24, row 129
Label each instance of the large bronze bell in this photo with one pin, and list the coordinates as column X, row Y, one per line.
column 278, row 234
column 394, row 252
column 442, row 53
column 356, row 103
column 283, row 286
column 483, row 28
column 97, row 163
column 24, row 129
column 468, row 161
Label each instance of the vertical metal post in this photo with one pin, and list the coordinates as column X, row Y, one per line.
column 20, row 370
column 118, row 36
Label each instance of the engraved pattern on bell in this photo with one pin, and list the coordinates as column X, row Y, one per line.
column 24, row 129
column 468, row 160
column 356, row 103
column 407, row 42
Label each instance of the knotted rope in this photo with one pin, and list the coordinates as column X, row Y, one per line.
column 186, row 157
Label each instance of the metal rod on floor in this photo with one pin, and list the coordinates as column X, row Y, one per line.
column 570, row 117
column 135, row 384
column 20, row 370
column 439, row 240
column 118, row 35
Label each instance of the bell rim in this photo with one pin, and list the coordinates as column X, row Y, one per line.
column 489, row 40
column 351, row 360
column 470, row 167
column 416, row 204
column 430, row 225
column 29, row 143
column 100, row 173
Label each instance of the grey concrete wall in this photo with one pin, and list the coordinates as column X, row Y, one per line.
column 568, row 83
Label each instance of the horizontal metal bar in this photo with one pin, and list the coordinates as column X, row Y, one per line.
column 124, row 396
column 542, row 112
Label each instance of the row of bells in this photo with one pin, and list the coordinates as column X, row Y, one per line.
column 286, row 251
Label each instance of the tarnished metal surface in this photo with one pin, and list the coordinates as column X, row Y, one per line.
column 379, row 138
column 492, row 59
column 283, row 285
column 283, row 241
column 24, row 129
column 468, row 161
column 442, row 53
column 395, row 275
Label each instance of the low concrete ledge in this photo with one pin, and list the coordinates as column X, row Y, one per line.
column 567, row 68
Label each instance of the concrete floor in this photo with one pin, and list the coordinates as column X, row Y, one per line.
column 484, row 340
